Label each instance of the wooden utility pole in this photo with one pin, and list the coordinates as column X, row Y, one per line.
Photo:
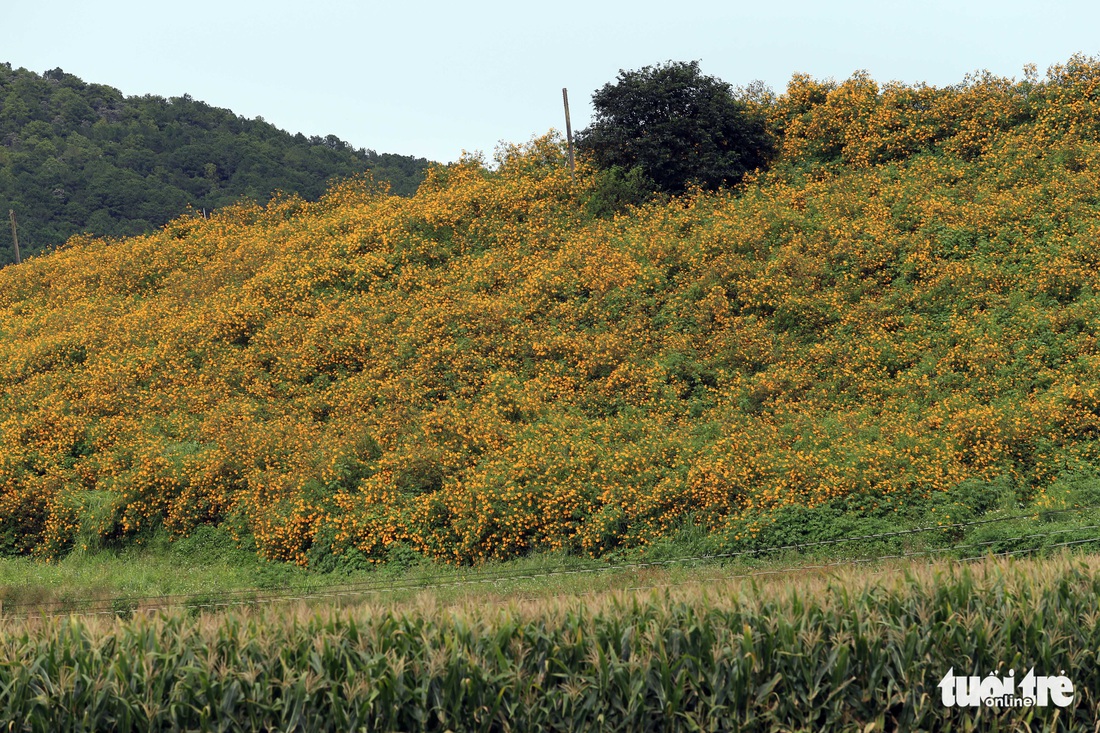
column 568, row 130
column 14, row 234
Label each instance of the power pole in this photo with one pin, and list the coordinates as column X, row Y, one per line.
column 14, row 235
column 568, row 130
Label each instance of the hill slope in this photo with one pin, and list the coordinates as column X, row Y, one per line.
column 77, row 157
column 905, row 304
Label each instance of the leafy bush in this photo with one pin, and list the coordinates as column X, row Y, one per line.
column 616, row 190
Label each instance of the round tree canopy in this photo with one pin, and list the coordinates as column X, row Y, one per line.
column 678, row 125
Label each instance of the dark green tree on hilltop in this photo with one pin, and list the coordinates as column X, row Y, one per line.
column 677, row 125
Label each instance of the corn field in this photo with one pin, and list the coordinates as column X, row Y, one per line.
column 837, row 652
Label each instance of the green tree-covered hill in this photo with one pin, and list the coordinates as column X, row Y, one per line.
column 78, row 157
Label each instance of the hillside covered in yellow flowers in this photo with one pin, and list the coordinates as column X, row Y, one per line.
column 904, row 302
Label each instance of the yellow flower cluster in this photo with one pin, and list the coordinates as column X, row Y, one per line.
column 904, row 302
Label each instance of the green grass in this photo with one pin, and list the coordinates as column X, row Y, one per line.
column 208, row 568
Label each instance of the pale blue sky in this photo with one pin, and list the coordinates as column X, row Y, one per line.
column 432, row 78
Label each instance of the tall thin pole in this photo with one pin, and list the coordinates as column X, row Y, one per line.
column 568, row 130
column 14, row 234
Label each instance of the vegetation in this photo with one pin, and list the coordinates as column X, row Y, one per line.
column 77, row 158
column 676, row 127
column 892, row 327
column 208, row 567
column 841, row 652
column 898, row 319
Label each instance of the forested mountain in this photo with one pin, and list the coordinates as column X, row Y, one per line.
column 78, row 157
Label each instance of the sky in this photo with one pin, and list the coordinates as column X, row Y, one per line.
column 436, row 79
